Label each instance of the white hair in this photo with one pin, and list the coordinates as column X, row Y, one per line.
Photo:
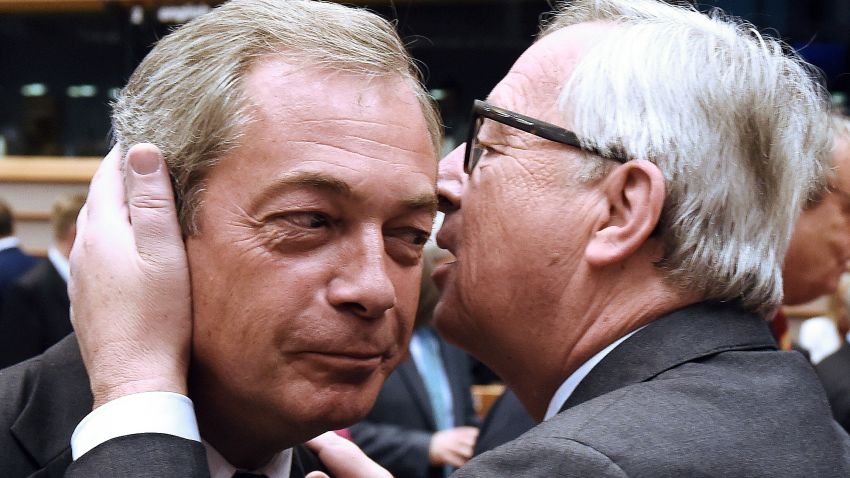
column 735, row 122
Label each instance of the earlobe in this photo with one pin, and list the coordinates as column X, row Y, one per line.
column 635, row 195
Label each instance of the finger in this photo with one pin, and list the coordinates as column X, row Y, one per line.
column 316, row 474
column 150, row 198
column 455, row 460
column 106, row 191
column 344, row 459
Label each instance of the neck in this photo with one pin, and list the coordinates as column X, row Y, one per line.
column 233, row 433
column 64, row 246
column 588, row 320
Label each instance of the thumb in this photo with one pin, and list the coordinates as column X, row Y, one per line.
column 316, row 474
column 344, row 459
column 150, row 199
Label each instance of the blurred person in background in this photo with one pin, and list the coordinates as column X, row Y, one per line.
column 36, row 309
column 423, row 423
column 13, row 261
column 820, row 246
column 831, row 352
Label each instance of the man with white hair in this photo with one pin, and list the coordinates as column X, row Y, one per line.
column 646, row 247
column 619, row 215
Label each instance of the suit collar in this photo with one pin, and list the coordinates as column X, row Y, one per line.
column 10, row 242
column 59, row 399
column 682, row 336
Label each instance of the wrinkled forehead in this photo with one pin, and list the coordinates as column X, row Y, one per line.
column 533, row 84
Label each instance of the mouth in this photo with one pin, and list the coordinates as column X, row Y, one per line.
column 348, row 360
column 441, row 272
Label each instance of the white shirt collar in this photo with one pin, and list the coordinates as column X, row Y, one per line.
column 59, row 262
column 9, row 242
column 279, row 466
column 569, row 386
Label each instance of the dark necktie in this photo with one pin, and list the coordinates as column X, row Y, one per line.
column 245, row 474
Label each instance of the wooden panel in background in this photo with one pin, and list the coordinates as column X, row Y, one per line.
column 34, row 169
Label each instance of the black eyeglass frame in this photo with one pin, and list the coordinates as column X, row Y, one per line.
column 540, row 128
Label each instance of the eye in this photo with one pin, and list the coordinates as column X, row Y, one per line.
column 416, row 237
column 406, row 244
column 307, row 220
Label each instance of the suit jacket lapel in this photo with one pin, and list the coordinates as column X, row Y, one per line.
column 682, row 336
column 304, row 461
column 59, row 286
column 59, row 400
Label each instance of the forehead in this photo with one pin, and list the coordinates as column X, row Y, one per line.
column 534, row 82
column 356, row 129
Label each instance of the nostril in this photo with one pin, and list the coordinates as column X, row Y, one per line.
column 444, row 204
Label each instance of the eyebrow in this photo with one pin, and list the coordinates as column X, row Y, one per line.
column 301, row 179
column 422, row 201
column 336, row 186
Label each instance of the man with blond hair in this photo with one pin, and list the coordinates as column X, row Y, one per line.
column 302, row 149
column 618, row 217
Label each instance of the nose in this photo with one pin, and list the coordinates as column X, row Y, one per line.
column 450, row 180
column 362, row 285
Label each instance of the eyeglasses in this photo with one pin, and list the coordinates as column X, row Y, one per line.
column 482, row 110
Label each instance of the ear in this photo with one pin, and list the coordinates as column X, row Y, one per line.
column 634, row 193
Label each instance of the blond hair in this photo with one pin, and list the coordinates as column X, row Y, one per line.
column 64, row 213
column 187, row 97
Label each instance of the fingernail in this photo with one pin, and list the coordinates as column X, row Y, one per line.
column 144, row 163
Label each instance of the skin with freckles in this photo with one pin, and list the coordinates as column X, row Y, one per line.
column 549, row 271
column 305, row 272
column 820, row 247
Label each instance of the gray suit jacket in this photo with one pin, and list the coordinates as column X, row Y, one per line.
column 701, row 392
column 834, row 373
column 43, row 399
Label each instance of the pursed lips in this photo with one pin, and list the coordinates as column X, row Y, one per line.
column 363, row 357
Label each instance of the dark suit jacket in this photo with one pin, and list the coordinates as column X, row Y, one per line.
column 701, row 392
column 43, row 399
column 397, row 432
column 834, row 373
column 13, row 264
column 35, row 314
column 506, row 420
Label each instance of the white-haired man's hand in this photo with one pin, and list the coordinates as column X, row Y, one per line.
column 129, row 287
column 343, row 458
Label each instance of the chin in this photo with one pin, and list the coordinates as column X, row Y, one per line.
column 342, row 411
column 342, row 405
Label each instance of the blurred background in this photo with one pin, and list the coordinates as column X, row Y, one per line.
column 64, row 60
